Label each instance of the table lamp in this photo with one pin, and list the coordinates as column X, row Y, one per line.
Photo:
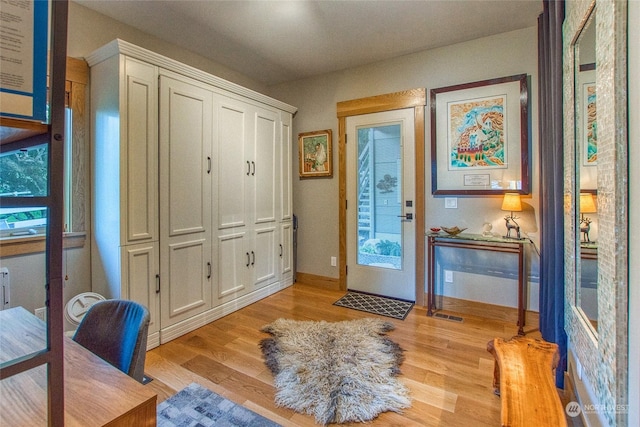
column 587, row 205
column 511, row 202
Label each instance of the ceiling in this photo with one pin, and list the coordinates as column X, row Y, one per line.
column 274, row 41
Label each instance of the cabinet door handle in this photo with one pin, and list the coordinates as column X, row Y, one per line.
column 253, row 258
column 209, row 164
column 209, row 270
column 281, row 249
column 248, row 168
column 248, row 259
column 253, row 168
column 157, row 283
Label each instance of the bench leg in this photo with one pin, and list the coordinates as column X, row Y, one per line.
column 496, row 378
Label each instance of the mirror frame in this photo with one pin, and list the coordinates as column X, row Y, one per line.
column 578, row 156
column 603, row 358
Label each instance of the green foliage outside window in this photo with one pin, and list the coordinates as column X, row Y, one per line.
column 24, row 172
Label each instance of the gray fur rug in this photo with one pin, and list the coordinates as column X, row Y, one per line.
column 338, row 372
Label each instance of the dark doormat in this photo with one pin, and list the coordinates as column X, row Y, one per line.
column 384, row 306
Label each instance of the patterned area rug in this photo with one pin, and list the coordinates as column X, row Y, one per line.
column 197, row 406
column 383, row 306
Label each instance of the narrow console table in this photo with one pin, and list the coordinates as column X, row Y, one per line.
column 589, row 250
column 477, row 242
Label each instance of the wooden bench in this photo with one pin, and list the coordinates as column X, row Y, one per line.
column 524, row 378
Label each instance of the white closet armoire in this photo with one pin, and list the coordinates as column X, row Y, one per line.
column 191, row 190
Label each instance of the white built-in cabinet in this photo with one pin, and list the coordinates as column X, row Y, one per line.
column 191, row 190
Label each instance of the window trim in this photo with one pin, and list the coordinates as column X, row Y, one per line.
column 26, row 245
column 77, row 78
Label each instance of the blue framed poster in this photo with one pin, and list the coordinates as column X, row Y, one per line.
column 23, row 59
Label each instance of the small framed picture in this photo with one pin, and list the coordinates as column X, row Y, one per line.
column 314, row 152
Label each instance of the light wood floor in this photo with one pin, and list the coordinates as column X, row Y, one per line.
column 447, row 367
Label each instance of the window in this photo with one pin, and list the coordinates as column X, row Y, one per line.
column 20, row 134
column 23, row 173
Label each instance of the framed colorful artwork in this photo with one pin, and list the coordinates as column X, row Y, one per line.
column 480, row 137
column 590, row 139
column 587, row 133
column 315, row 154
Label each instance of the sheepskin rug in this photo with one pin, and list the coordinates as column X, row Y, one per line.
column 338, row 372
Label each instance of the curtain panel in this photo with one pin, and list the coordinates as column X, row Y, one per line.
column 551, row 180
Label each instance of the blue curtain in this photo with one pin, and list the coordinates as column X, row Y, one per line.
column 551, row 180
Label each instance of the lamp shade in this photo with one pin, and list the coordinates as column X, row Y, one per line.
column 511, row 202
column 587, row 204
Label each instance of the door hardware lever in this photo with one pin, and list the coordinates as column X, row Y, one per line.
column 407, row 216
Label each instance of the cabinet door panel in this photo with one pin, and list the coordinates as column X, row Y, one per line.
column 140, row 270
column 286, row 167
column 189, row 288
column 286, row 245
column 141, row 167
column 186, row 109
column 264, row 256
column 185, row 146
column 267, row 163
column 234, row 165
column 234, row 262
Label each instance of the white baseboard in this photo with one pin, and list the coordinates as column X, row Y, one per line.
column 153, row 340
column 174, row 331
column 581, row 392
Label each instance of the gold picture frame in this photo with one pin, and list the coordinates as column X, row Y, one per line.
column 315, row 154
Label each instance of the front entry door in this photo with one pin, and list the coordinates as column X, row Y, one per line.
column 380, row 204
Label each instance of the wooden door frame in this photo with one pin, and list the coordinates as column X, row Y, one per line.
column 416, row 99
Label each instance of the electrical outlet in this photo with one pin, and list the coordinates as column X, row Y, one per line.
column 448, row 276
column 579, row 369
column 41, row 313
column 334, row 261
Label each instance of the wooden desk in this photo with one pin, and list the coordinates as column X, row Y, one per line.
column 95, row 392
column 477, row 242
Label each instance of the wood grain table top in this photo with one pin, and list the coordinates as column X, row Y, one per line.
column 96, row 393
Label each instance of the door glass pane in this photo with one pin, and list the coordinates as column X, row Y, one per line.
column 379, row 191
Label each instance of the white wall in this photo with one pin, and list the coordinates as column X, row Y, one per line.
column 89, row 30
column 316, row 201
column 27, row 275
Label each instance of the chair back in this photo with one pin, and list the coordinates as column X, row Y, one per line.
column 116, row 331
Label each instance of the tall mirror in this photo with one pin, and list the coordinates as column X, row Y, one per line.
column 597, row 347
column 586, row 160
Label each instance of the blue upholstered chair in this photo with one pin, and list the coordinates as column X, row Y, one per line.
column 116, row 331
